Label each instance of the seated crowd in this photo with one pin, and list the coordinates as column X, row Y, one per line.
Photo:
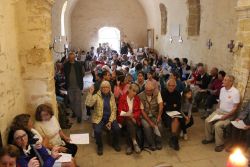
column 146, row 87
column 133, row 97
column 39, row 144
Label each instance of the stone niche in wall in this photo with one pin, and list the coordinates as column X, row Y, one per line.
column 164, row 18
column 194, row 17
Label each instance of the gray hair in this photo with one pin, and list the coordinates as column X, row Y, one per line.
column 231, row 77
column 149, row 85
column 105, row 84
column 134, row 86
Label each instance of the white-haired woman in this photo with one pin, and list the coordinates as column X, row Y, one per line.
column 104, row 114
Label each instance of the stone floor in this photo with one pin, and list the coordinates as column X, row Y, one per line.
column 192, row 153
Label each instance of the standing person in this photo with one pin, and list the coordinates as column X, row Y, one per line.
column 104, row 114
column 228, row 105
column 124, row 49
column 74, row 85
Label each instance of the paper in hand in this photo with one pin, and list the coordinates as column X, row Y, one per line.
column 79, row 138
column 215, row 118
column 125, row 114
column 239, row 124
column 173, row 113
column 157, row 131
column 64, row 158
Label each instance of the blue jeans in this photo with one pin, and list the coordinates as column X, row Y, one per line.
column 115, row 129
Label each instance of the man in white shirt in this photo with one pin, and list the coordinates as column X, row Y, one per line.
column 228, row 105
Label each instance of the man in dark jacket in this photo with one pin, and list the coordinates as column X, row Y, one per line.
column 74, row 85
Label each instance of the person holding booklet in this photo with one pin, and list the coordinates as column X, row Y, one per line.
column 172, row 103
column 151, row 112
column 243, row 121
column 129, row 113
column 229, row 100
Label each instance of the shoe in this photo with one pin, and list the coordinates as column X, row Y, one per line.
column 204, row 116
column 152, row 148
column 100, row 150
column 117, row 148
column 207, row 141
column 171, row 143
column 219, row 148
column 158, row 146
column 129, row 150
column 137, row 148
column 181, row 134
column 185, row 137
column 79, row 120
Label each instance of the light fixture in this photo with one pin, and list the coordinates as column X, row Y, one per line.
column 170, row 39
column 209, row 44
column 57, row 39
column 180, row 39
column 231, row 46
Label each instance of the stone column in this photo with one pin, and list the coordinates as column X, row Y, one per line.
column 241, row 62
column 34, row 37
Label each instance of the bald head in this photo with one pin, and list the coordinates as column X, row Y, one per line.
column 171, row 85
column 149, row 88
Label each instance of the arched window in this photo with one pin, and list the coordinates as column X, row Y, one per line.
column 63, row 18
column 164, row 18
column 110, row 35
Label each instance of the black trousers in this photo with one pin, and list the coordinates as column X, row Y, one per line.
column 211, row 100
column 71, row 148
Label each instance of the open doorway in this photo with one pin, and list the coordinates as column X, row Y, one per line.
column 110, row 35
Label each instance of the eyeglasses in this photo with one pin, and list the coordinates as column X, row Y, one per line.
column 19, row 138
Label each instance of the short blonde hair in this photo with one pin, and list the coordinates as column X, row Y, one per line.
column 105, row 84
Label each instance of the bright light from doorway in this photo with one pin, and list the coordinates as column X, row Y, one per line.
column 63, row 18
column 110, row 35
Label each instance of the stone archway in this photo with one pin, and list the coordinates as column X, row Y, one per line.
column 194, row 17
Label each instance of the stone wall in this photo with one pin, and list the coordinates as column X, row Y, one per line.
column 241, row 65
column 27, row 68
column 12, row 99
column 89, row 16
column 216, row 24
column 37, row 68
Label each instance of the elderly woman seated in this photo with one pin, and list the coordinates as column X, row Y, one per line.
column 129, row 112
column 104, row 114
column 30, row 149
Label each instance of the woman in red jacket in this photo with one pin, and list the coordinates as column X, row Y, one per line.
column 129, row 112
